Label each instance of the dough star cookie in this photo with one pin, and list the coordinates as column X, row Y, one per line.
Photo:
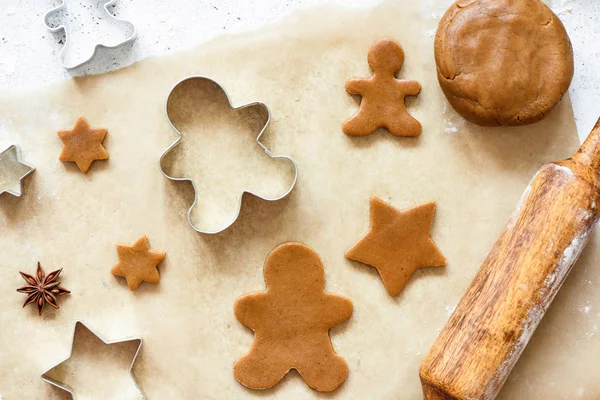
column 503, row 62
column 138, row 263
column 382, row 103
column 291, row 323
column 398, row 243
column 83, row 145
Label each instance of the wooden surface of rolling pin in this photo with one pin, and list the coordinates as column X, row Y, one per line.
column 483, row 339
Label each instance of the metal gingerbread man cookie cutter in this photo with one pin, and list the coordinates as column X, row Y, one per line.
column 130, row 29
column 258, row 142
column 70, row 390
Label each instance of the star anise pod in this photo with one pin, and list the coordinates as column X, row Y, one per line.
column 42, row 289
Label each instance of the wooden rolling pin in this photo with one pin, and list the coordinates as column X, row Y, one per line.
column 483, row 339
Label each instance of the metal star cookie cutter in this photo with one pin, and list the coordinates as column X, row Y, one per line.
column 10, row 160
column 67, row 388
column 63, row 6
column 267, row 151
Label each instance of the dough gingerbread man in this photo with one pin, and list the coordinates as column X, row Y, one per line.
column 291, row 323
column 382, row 103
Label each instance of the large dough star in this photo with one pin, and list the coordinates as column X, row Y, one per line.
column 12, row 172
column 138, row 263
column 398, row 243
column 83, row 145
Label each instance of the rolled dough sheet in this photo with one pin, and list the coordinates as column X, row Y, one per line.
column 191, row 338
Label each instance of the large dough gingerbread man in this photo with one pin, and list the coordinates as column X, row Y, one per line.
column 382, row 103
column 291, row 323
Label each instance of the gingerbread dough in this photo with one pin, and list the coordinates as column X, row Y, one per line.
column 503, row 62
column 138, row 263
column 83, row 145
column 382, row 103
column 291, row 323
column 191, row 336
column 398, row 243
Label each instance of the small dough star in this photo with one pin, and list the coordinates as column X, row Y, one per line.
column 398, row 243
column 12, row 172
column 83, row 145
column 138, row 263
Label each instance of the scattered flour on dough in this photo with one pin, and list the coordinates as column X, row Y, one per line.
column 450, row 310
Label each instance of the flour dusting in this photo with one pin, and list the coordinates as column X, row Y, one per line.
column 583, row 215
column 451, row 129
column 550, row 246
column 572, row 253
column 564, row 169
column 452, row 124
column 592, row 333
column 552, row 283
column 584, row 309
column 561, row 7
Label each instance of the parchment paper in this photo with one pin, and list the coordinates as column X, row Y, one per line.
column 191, row 338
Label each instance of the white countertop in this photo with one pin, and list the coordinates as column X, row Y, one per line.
column 29, row 52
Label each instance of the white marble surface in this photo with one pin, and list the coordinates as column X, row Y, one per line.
column 29, row 52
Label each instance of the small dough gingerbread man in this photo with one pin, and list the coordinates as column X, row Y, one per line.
column 383, row 95
column 291, row 323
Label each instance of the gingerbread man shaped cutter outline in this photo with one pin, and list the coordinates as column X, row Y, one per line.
column 61, row 56
column 257, row 140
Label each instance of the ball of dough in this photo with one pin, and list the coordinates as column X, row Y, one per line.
column 503, row 62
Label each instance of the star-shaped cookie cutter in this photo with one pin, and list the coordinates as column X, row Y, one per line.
column 67, row 388
column 63, row 6
column 179, row 138
column 12, row 156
